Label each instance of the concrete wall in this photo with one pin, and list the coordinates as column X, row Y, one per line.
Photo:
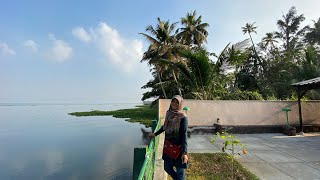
column 205, row 113
column 159, row 173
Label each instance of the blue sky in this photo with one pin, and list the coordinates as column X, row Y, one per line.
column 89, row 51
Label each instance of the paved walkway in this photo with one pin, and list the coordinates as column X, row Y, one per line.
column 271, row 156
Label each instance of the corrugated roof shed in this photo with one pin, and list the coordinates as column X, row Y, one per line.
column 302, row 88
column 308, row 82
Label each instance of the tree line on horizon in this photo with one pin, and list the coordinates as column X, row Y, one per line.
column 247, row 70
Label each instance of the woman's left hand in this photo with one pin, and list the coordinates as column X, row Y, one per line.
column 184, row 158
column 151, row 135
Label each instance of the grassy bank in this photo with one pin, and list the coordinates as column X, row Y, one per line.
column 214, row 166
column 142, row 114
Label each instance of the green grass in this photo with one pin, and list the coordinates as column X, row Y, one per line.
column 143, row 114
column 214, row 166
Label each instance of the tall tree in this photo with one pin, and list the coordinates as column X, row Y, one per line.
column 196, row 73
column 163, row 45
column 290, row 32
column 269, row 40
column 232, row 56
column 250, row 28
column 155, row 88
column 157, row 40
column 313, row 34
column 194, row 31
column 310, row 67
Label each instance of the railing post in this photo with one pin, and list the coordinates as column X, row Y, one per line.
column 138, row 159
column 154, row 125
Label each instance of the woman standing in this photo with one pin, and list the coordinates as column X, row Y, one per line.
column 175, row 145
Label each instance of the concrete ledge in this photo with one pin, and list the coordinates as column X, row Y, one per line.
column 308, row 128
column 159, row 173
column 251, row 129
column 200, row 130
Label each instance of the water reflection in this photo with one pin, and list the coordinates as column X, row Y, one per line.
column 116, row 159
column 44, row 142
column 145, row 138
column 53, row 161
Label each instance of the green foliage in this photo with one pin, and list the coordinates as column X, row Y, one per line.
column 242, row 95
column 196, row 73
column 294, row 97
column 163, row 45
column 290, row 32
column 310, row 65
column 193, row 31
column 242, row 71
column 249, row 28
column 272, row 97
column 230, row 143
column 227, row 141
column 143, row 114
column 214, row 166
column 312, row 95
column 246, row 80
column 313, row 34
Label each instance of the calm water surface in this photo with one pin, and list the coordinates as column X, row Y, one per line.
column 41, row 141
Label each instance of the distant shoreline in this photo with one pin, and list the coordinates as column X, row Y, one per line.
column 143, row 114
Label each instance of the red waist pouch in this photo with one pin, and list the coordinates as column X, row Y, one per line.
column 171, row 149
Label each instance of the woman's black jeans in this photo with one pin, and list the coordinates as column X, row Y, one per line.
column 177, row 174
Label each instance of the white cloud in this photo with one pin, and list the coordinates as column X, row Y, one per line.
column 81, row 34
column 6, row 50
column 30, row 44
column 60, row 51
column 124, row 53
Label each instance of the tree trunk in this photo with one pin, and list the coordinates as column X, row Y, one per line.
column 287, row 41
column 257, row 58
column 163, row 91
column 175, row 79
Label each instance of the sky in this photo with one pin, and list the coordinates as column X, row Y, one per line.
column 90, row 51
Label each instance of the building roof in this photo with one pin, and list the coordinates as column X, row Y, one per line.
column 310, row 82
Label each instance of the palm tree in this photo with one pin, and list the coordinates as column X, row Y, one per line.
column 196, row 73
column 269, row 39
column 232, row 57
column 155, row 87
column 310, row 67
column 250, row 28
column 163, row 45
column 289, row 29
column 313, row 35
column 194, row 30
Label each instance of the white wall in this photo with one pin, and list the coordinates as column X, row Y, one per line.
column 205, row 113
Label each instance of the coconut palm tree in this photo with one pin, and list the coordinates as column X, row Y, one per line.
column 196, row 73
column 289, row 30
column 159, row 38
column 269, row 40
column 313, row 35
column 310, row 67
column 250, row 28
column 155, row 87
column 194, row 31
column 232, row 56
column 163, row 45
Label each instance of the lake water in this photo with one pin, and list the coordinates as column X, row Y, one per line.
column 41, row 141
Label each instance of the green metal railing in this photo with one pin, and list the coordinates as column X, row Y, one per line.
column 147, row 169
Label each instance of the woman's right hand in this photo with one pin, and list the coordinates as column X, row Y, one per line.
column 151, row 135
